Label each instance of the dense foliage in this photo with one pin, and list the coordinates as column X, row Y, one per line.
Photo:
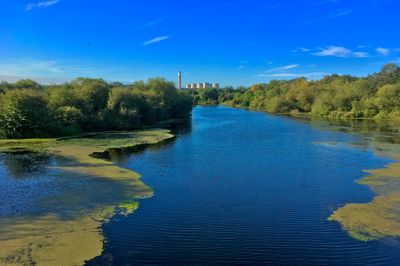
column 28, row 109
column 341, row 96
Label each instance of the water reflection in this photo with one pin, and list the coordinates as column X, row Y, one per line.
column 247, row 188
column 120, row 155
column 26, row 164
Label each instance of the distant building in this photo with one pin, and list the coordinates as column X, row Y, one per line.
column 202, row 85
column 215, row 86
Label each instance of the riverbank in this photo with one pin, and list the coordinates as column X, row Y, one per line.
column 63, row 228
column 297, row 114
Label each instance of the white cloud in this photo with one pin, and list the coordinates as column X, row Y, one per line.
column 334, row 51
column 43, row 4
column 283, row 68
column 304, row 50
column 360, row 54
column 156, row 40
column 24, row 66
column 382, row 51
column 52, row 71
column 301, row 50
column 292, row 75
column 281, row 72
column 339, row 51
column 290, row 66
column 151, row 23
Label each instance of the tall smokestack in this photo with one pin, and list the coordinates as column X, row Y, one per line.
column 179, row 80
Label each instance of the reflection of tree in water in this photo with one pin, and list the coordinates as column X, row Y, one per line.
column 119, row 155
column 23, row 164
column 181, row 127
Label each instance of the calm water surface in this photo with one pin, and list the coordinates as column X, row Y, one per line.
column 242, row 187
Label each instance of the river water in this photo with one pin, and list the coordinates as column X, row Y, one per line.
column 240, row 187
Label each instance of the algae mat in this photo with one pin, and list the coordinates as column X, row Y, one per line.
column 379, row 218
column 66, row 228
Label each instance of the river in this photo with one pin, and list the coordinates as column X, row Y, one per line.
column 241, row 187
column 233, row 187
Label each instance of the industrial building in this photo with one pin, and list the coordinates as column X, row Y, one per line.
column 202, row 85
column 194, row 86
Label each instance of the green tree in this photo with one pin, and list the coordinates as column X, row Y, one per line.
column 24, row 113
column 388, row 98
column 26, row 84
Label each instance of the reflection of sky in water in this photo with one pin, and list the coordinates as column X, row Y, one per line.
column 29, row 182
column 248, row 188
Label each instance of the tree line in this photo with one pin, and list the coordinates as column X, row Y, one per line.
column 376, row 96
column 29, row 109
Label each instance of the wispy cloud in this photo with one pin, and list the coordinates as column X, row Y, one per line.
column 291, row 75
column 304, row 50
column 24, row 66
column 156, row 40
column 339, row 51
column 360, row 54
column 43, row 4
column 328, row 17
column 301, row 50
column 151, row 24
column 243, row 64
column 55, row 71
column 33, row 67
column 282, row 68
column 41, row 80
column 382, row 51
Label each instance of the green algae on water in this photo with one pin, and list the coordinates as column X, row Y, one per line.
column 68, row 233
column 381, row 217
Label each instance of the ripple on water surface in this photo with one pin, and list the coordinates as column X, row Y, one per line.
column 253, row 189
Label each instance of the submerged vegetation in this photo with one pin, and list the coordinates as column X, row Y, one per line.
column 381, row 217
column 338, row 96
column 28, row 109
column 63, row 228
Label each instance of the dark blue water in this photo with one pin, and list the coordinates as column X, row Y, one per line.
column 246, row 188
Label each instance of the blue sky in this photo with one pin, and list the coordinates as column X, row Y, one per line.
column 233, row 42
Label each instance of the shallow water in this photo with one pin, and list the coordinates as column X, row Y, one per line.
column 245, row 187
